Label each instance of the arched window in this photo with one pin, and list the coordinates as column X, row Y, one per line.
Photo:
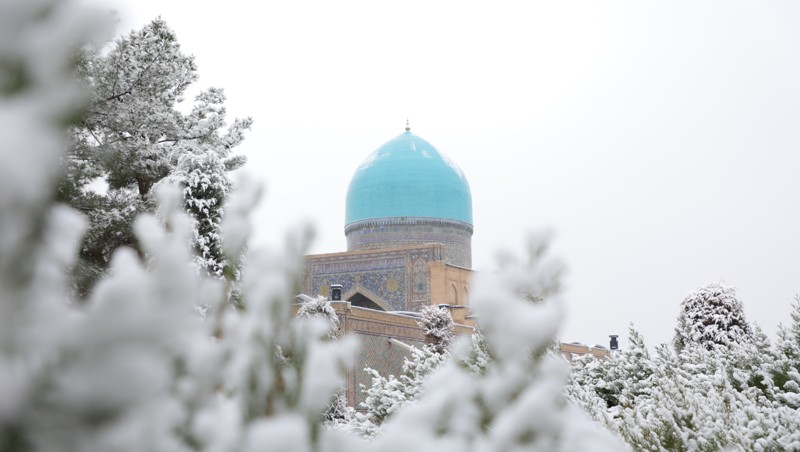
column 452, row 295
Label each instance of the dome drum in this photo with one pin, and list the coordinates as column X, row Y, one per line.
column 456, row 236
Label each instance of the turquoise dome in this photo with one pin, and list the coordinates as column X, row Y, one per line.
column 407, row 177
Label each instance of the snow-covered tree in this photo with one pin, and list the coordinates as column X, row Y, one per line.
column 750, row 365
column 786, row 367
column 438, row 325
column 587, row 379
column 633, row 367
column 711, row 315
column 132, row 136
column 693, row 405
column 705, row 396
column 202, row 170
column 387, row 395
column 477, row 357
column 384, row 396
column 603, row 387
column 206, row 185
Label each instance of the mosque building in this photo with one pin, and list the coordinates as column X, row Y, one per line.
column 408, row 223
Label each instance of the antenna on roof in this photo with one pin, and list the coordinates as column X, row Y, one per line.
column 408, row 127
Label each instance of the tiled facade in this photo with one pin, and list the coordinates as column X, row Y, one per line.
column 399, row 264
column 383, row 233
column 397, row 279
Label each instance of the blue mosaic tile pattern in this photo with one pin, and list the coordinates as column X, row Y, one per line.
column 401, row 278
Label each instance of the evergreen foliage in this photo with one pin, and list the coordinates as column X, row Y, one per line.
column 386, row 395
column 321, row 308
column 438, row 325
column 729, row 389
column 478, row 357
column 132, row 136
column 711, row 315
column 786, row 366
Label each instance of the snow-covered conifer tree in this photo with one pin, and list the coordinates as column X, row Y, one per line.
column 634, row 368
column 786, row 368
column 604, row 387
column 438, row 325
column 386, row 395
column 132, row 136
column 711, row 315
column 478, row 357
column 708, row 396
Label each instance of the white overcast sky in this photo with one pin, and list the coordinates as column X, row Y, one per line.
column 658, row 140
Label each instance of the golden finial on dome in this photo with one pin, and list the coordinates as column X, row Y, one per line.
column 408, row 127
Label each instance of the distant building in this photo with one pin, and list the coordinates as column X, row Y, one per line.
column 409, row 229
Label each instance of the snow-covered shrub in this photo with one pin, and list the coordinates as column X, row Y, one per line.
column 711, row 315
column 337, row 411
column 321, row 308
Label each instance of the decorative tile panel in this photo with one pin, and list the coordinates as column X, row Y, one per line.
column 400, row 277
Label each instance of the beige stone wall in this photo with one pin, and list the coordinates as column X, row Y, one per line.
column 573, row 350
column 449, row 284
column 374, row 329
